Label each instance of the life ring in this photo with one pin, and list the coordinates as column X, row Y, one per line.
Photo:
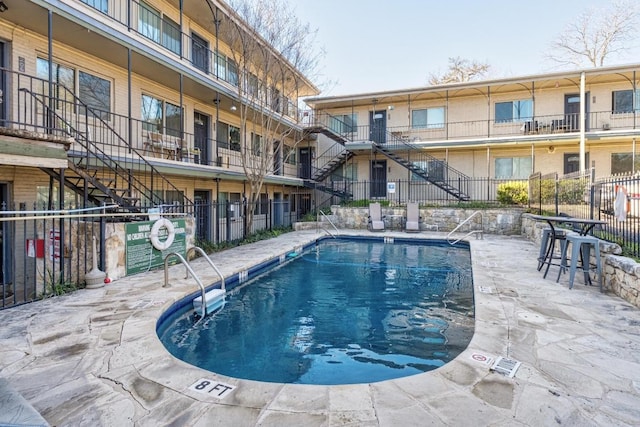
column 155, row 237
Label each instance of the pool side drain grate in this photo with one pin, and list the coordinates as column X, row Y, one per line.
column 505, row 366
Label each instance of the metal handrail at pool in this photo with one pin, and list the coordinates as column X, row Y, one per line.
column 218, row 293
column 330, row 222
column 476, row 232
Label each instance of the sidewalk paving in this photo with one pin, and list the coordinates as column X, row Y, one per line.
column 93, row 357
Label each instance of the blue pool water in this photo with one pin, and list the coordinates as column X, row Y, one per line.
column 343, row 312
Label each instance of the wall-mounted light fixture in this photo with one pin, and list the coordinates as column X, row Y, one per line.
column 390, row 107
column 233, row 107
column 3, row 7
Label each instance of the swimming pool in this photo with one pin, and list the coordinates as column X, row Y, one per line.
column 343, row 311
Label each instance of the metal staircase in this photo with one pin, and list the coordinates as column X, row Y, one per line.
column 422, row 164
column 427, row 167
column 330, row 161
column 110, row 170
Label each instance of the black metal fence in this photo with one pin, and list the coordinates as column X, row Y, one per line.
column 414, row 190
column 48, row 252
column 614, row 199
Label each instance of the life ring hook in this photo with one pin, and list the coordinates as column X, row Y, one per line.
column 154, row 236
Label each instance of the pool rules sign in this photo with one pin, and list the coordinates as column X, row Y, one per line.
column 140, row 253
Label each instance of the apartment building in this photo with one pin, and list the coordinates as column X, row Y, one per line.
column 147, row 105
column 142, row 102
column 442, row 137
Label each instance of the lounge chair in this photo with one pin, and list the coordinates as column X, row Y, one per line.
column 376, row 222
column 412, row 220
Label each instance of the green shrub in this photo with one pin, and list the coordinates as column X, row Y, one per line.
column 513, row 193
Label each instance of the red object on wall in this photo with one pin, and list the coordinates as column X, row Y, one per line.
column 35, row 248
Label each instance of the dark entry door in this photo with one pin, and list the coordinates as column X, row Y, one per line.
column 201, row 137
column 572, row 162
column 378, row 126
column 572, row 111
column 378, row 178
column 202, row 199
column 306, row 154
column 200, row 52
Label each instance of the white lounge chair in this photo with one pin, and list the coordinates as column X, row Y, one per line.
column 412, row 220
column 376, row 220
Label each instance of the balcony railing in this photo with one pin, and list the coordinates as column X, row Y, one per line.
column 552, row 124
column 137, row 17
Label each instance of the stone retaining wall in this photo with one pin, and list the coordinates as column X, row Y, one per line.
column 504, row 221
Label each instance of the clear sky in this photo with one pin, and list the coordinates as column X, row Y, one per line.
column 378, row 45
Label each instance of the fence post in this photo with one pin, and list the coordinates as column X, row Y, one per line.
column 228, row 208
column 557, row 184
column 592, row 193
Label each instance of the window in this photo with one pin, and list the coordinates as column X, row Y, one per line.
column 159, row 116
column 233, row 72
column 514, row 111
column 200, row 52
column 222, row 135
column 513, row 167
column 256, row 144
column 346, row 172
column 289, row 155
column 101, row 5
column 149, row 22
column 71, row 198
column 173, row 120
column 171, row 35
column 95, row 92
column 275, row 100
column 151, row 113
column 428, row 118
column 435, row 169
column 234, row 138
column 252, row 86
column 221, row 66
column 62, row 77
column 624, row 163
column 623, row 101
column 345, row 123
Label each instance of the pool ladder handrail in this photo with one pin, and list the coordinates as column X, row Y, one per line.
column 476, row 232
column 188, row 269
column 330, row 222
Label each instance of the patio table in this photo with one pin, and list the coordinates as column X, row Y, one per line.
column 583, row 227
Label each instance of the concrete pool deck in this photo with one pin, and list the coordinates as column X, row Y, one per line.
column 93, row 358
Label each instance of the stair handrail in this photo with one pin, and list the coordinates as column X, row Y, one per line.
column 190, row 270
column 81, row 137
column 470, row 232
column 330, row 222
column 206, row 257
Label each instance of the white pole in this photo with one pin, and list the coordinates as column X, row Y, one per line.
column 583, row 121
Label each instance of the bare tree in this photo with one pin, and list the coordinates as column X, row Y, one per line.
column 596, row 35
column 274, row 54
column 460, row 70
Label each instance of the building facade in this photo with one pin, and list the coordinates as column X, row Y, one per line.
column 148, row 87
column 443, row 136
column 144, row 104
